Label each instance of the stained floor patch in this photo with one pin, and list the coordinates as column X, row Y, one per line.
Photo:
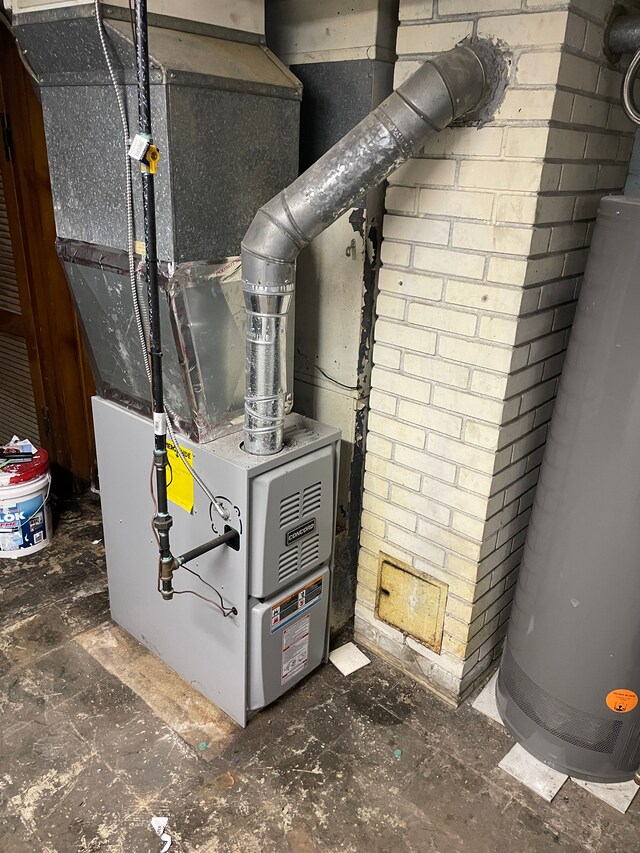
column 175, row 702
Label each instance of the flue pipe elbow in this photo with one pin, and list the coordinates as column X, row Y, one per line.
column 440, row 91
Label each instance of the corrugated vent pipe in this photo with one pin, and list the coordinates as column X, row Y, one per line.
column 441, row 90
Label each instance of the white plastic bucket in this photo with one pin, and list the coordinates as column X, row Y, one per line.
column 25, row 516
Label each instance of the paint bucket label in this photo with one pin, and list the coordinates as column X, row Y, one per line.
column 25, row 517
column 23, row 524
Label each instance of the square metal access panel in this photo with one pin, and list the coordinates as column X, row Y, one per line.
column 411, row 601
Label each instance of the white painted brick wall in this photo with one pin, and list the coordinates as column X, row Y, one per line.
column 484, row 244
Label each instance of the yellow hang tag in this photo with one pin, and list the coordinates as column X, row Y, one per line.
column 152, row 157
column 179, row 478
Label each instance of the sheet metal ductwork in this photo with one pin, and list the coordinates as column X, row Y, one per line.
column 209, row 90
column 439, row 92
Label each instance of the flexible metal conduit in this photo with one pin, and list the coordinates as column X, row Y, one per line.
column 440, row 91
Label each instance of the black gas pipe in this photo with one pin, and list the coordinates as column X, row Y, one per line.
column 162, row 520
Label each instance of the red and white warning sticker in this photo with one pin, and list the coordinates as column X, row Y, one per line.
column 289, row 608
column 295, row 648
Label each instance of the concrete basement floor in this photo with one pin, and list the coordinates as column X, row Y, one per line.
column 86, row 762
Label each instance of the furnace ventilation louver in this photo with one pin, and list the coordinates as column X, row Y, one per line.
column 298, row 558
column 312, row 499
column 288, row 564
column 295, row 534
column 309, row 552
column 297, row 432
column 290, row 509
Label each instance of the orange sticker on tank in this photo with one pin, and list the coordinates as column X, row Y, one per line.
column 622, row 701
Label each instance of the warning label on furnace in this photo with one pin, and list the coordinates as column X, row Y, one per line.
column 295, row 648
column 302, row 599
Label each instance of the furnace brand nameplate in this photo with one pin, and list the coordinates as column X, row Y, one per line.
column 304, row 530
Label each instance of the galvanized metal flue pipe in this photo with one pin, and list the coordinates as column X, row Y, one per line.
column 440, row 91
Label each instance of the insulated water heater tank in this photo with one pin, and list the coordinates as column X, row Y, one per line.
column 570, row 676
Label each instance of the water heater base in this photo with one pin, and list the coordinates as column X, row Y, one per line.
column 551, row 750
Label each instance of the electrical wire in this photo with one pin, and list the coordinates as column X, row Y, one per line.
column 628, row 82
column 137, row 309
column 129, row 190
column 325, row 374
column 226, row 611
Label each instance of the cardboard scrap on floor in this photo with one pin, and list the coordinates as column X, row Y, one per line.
column 348, row 658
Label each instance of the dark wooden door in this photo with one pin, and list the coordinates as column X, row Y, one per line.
column 36, row 311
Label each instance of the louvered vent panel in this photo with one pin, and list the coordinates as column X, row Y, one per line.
column 289, row 509
column 17, row 406
column 312, row 498
column 309, row 550
column 572, row 725
column 9, row 300
column 288, row 563
column 296, row 432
